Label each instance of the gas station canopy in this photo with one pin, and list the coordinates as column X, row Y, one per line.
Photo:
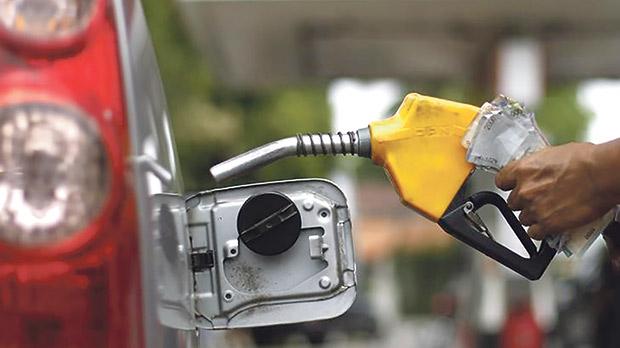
column 253, row 44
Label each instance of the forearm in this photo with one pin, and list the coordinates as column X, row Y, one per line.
column 606, row 171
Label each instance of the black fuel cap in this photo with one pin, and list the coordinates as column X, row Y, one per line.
column 269, row 223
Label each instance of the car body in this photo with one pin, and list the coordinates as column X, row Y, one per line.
column 87, row 144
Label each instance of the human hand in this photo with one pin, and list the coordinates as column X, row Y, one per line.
column 555, row 189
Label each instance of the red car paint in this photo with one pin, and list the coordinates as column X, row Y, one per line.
column 84, row 291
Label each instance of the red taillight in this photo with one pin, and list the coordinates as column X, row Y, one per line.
column 47, row 27
column 55, row 174
column 72, row 281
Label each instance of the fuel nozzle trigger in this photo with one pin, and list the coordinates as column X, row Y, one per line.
column 466, row 225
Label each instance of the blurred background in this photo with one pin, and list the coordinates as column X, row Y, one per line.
column 238, row 74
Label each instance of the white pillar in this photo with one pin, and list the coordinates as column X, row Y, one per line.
column 521, row 70
column 354, row 104
column 521, row 75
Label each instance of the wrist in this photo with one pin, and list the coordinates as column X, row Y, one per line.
column 604, row 169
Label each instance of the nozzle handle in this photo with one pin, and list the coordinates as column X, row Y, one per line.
column 458, row 223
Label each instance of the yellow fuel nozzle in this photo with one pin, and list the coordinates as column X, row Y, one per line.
column 420, row 149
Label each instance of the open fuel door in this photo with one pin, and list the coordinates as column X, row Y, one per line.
column 254, row 255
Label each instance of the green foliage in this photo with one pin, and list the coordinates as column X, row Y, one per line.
column 184, row 73
column 425, row 273
column 561, row 116
column 212, row 123
column 283, row 114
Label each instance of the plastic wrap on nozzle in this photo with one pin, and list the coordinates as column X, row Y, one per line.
column 349, row 143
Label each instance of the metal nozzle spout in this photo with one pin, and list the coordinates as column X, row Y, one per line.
column 256, row 158
column 353, row 143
